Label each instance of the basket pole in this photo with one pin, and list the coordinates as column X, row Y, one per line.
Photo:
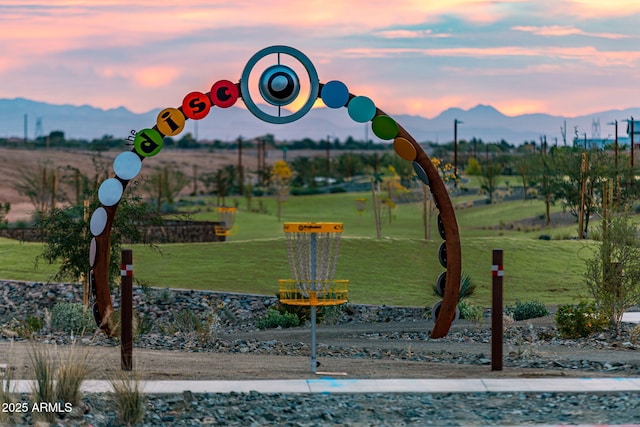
column 312, row 249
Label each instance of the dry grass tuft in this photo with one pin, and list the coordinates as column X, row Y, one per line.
column 72, row 371
column 6, row 394
column 44, row 367
column 128, row 397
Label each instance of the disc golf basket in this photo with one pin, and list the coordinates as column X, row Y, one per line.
column 313, row 249
column 227, row 216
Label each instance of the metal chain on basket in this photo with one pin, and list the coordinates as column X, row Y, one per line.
column 327, row 249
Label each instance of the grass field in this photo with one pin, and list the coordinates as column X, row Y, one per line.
column 399, row 269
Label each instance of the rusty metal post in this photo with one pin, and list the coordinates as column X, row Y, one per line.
column 126, row 310
column 497, row 272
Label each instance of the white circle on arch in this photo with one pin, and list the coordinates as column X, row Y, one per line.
column 127, row 165
column 110, row 191
column 98, row 221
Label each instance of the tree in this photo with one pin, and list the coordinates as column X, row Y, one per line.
column 4, row 211
column 281, row 177
column 526, row 168
column 613, row 272
column 166, row 184
column 66, row 232
column 473, row 167
column 40, row 185
column 490, row 171
column 569, row 175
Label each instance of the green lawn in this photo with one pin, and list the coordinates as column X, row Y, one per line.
column 398, row 269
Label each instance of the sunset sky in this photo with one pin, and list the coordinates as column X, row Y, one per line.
column 563, row 57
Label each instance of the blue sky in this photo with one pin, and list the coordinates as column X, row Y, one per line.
column 564, row 57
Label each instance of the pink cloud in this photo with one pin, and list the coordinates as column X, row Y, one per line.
column 155, row 77
column 565, row 30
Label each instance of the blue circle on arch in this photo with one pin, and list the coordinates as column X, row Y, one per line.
column 334, row 94
column 421, row 173
column 361, row 109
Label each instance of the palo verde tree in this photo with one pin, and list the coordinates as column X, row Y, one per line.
column 165, row 184
column 40, row 185
column 280, row 179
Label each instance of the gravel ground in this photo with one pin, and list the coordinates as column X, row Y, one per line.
column 460, row 409
column 359, row 336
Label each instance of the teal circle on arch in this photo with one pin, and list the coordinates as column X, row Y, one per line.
column 361, row 109
column 334, row 94
column 384, row 127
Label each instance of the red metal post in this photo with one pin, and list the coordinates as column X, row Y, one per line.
column 126, row 310
column 497, row 272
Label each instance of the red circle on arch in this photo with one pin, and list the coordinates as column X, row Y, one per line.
column 196, row 105
column 224, row 93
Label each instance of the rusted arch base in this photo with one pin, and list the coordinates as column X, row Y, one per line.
column 440, row 196
column 451, row 233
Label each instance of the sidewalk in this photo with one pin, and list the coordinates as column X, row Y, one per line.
column 333, row 385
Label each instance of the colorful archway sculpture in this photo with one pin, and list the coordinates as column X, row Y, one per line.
column 278, row 85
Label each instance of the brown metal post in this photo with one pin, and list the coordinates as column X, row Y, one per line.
column 497, row 272
column 455, row 152
column 126, row 310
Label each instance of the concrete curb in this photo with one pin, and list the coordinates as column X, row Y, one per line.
column 333, row 385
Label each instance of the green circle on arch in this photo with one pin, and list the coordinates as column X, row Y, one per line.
column 384, row 127
column 148, row 142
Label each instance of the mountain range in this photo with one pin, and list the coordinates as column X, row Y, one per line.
column 483, row 122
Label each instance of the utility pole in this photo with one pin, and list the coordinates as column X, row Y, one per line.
column 455, row 151
column 615, row 143
column 240, row 172
column 631, row 135
column 328, row 156
column 616, row 180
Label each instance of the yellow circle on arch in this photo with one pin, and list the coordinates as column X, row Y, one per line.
column 404, row 149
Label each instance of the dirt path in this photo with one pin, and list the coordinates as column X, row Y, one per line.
column 173, row 365
column 158, row 364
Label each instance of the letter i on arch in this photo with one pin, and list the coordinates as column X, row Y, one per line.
column 170, row 121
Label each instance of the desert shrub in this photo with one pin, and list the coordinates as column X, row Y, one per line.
column 186, row 321
column 275, row 319
column 581, row 320
column 27, row 327
column 33, row 323
column 208, row 331
column 634, row 335
column 473, row 313
column 467, row 288
column 330, row 314
column 526, row 310
column 72, row 317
